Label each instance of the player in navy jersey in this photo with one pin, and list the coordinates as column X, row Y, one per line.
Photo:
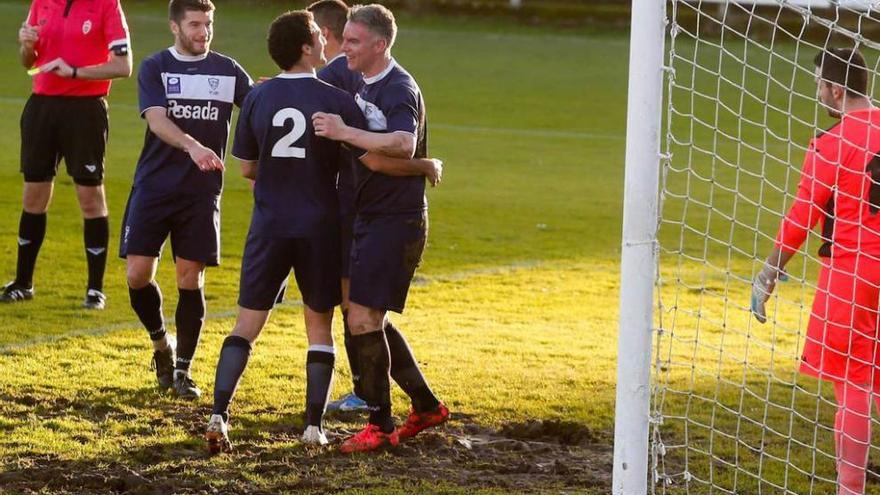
column 390, row 230
column 186, row 95
column 331, row 16
column 295, row 222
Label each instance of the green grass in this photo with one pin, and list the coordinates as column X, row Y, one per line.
column 513, row 317
column 504, row 318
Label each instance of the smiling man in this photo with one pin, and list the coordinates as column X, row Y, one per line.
column 390, row 230
column 186, row 95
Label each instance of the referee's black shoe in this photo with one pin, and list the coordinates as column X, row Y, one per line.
column 13, row 292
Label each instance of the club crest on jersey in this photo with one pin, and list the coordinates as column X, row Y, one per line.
column 174, row 86
column 214, row 83
column 87, row 26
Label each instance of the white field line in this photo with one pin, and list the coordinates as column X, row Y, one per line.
column 228, row 313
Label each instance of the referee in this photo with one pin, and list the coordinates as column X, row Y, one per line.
column 78, row 46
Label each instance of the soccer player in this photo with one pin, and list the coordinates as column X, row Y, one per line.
column 839, row 185
column 331, row 16
column 390, row 230
column 78, row 47
column 295, row 222
column 186, row 94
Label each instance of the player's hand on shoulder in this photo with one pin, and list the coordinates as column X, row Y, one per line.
column 205, row 158
column 59, row 67
column 28, row 35
column 328, row 125
column 434, row 172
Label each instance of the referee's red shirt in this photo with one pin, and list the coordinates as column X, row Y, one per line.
column 82, row 32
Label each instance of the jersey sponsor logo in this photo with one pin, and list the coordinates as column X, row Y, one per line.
column 87, row 26
column 376, row 120
column 195, row 112
column 173, row 86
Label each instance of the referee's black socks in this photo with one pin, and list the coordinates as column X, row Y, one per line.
column 96, row 234
column 31, row 231
column 190, row 318
column 374, row 385
column 405, row 371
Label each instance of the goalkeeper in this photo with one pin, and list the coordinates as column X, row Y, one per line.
column 839, row 185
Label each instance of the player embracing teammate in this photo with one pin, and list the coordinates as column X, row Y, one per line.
column 296, row 224
column 390, row 229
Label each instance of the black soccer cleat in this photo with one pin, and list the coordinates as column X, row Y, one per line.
column 13, row 292
column 186, row 388
column 163, row 363
column 95, row 299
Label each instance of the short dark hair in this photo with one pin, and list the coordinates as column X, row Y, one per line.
column 377, row 18
column 844, row 66
column 177, row 8
column 287, row 34
column 331, row 14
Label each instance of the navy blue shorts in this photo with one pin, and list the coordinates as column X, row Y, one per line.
column 384, row 257
column 267, row 262
column 347, row 232
column 192, row 222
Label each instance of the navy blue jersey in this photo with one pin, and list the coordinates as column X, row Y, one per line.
column 392, row 102
column 336, row 73
column 295, row 189
column 198, row 93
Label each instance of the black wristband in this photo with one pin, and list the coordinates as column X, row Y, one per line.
column 74, row 73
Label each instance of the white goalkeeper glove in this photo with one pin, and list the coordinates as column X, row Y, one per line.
column 762, row 287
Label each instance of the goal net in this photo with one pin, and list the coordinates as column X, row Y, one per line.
column 729, row 411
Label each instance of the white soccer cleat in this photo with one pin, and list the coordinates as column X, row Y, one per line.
column 217, row 435
column 314, row 436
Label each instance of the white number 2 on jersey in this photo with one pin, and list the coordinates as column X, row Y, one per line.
column 284, row 147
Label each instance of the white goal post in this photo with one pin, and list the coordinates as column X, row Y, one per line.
column 722, row 105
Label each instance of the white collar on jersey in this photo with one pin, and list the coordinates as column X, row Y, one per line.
column 337, row 57
column 186, row 58
column 297, row 75
column 378, row 77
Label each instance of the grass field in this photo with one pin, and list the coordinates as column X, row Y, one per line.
column 513, row 317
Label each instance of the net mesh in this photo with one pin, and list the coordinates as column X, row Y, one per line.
column 730, row 411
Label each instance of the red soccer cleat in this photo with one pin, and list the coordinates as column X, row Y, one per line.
column 417, row 422
column 369, row 439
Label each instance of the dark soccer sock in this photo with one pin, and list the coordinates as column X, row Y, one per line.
column 31, row 231
column 147, row 304
column 375, row 384
column 319, row 375
column 190, row 318
column 96, row 235
column 234, row 357
column 350, row 351
column 405, row 371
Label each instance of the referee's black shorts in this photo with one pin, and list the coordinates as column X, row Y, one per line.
column 71, row 127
